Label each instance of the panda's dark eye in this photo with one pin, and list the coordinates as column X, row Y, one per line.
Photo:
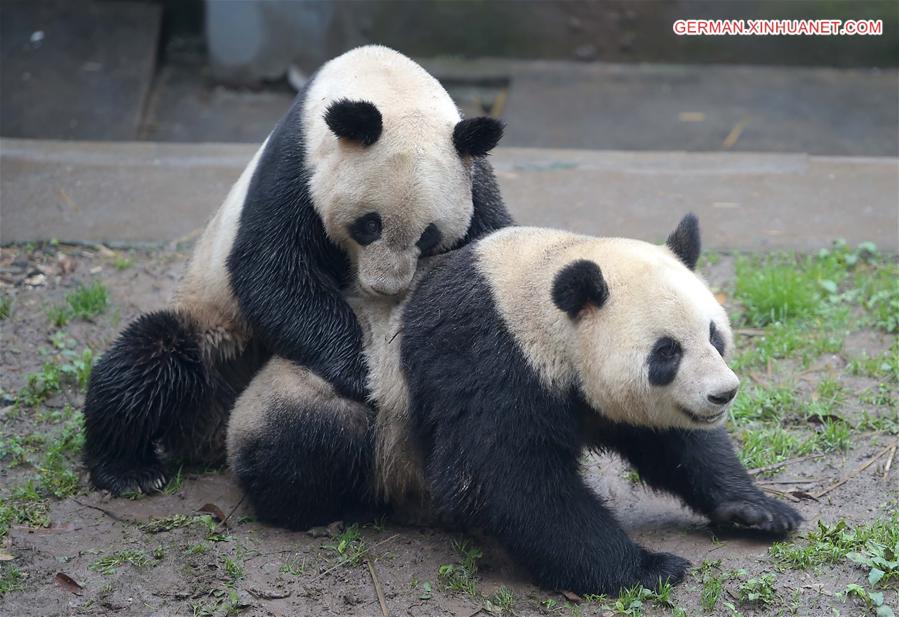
column 429, row 239
column 715, row 338
column 664, row 360
column 366, row 229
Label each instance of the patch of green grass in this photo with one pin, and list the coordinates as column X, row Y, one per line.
column 829, row 544
column 756, row 404
column 11, row 579
column 633, row 600
column 58, row 316
column 122, row 263
column 109, row 564
column 500, row 602
column 159, row 525
column 55, row 471
column 201, row 548
column 709, row 572
column 295, row 567
column 774, row 291
column 85, row 302
column 885, row 366
column 758, row 591
column 40, row 386
column 350, row 546
column 770, row 445
column 24, row 506
column 88, row 301
column 5, row 307
column 175, row 483
column 463, row 575
column 234, row 569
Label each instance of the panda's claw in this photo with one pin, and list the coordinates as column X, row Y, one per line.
column 759, row 512
column 120, row 480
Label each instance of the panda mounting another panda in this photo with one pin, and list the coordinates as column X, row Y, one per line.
column 504, row 363
column 371, row 169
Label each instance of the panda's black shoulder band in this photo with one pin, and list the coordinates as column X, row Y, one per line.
column 358, row 121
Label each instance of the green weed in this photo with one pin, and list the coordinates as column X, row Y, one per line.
column 350, row 546
column 828, row 544
column 758, row 591
column 5, row 307
column 109, row 564
column 88, row 301
column 233, row 569
column 462, row 576
column 500, row 602
column 11, row 579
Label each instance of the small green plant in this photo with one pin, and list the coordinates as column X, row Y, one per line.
column 233, row 569
column 11, row 579
column 881, row 561
column 350, row 546
column 774, row 291
column 109, row 564
column 88, row 301
column 58, row 316
column 712, row 584
column 5, row 307
column 295, row 567
column 201, row 548
column 500, row 602
column 832, row 543
column 759, row 590
column 122, row 263
column 462, row 576
column 873, row 599
column 631, row 601
column 159, row 525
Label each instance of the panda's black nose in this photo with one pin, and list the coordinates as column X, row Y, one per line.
column 723, row 398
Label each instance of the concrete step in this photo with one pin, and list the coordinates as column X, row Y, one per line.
column 76, row 70
column 140, row 192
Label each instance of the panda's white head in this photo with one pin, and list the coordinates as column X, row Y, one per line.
column 396, row 186
column 650, row 340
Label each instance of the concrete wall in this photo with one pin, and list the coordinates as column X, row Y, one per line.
column 258, row 39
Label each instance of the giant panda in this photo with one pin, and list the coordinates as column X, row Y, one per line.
column 507, row 360
column 371, row 169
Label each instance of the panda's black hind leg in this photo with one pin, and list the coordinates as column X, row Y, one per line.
column 142, row 386
column 302, row 454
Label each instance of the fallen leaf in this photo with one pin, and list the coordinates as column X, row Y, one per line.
column 6, row 556
column 214, row 511
column 68, row 583
column 571, row 596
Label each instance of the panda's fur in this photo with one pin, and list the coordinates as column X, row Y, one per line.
column 509, row 358
column 370, row 169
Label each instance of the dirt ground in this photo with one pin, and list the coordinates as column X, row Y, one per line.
column 194, row 566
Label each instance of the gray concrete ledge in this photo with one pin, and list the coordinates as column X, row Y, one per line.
column 159, row 192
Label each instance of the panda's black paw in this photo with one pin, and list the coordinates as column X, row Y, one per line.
column 758, row 512
column 120, row 480
column 659, row 568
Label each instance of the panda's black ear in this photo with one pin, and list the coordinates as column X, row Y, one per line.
column 684, row 241
column 477, row 136
column 577, row 285
column 358, row 121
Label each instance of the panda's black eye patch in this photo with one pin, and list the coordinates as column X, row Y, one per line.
column 715, row 338
column 664, row 360
column 429, row 239
column 366, row 229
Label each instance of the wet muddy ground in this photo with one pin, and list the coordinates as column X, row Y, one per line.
column 68, row 550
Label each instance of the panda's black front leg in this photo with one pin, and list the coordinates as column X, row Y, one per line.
column 538, row 506
column 700, row 467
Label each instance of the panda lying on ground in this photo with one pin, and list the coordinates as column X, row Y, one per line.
column 510, row 358
column 370, row 169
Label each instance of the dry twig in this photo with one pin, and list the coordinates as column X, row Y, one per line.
column 378, row 591
column 886, row 469
column 851, row 474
